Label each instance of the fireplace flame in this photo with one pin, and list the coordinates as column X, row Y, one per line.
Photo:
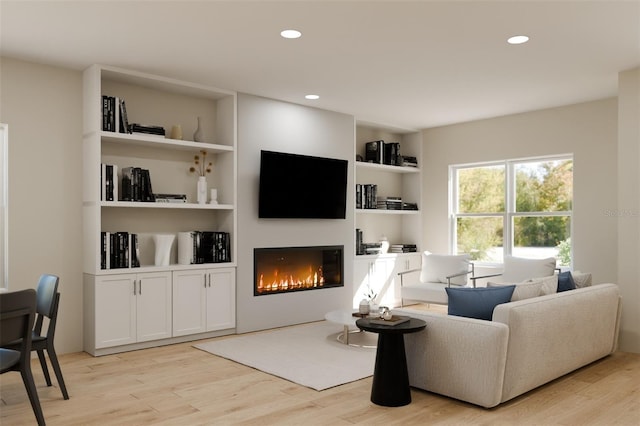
column 314, row 278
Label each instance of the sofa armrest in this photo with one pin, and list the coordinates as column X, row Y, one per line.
column 459, row 357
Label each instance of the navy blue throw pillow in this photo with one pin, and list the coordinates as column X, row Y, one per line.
column 565, row 281
column 477, row 302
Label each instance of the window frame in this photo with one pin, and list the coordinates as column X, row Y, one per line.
column 510, row 212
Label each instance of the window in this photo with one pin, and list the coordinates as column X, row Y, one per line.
column 4, row 161
column 518, row 207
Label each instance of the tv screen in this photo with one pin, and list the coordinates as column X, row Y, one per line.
column 301, row 186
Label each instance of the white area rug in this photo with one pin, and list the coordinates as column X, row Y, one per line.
column 306, row 354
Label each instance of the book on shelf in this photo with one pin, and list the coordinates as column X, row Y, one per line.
column 391, row 154
column 198, row 247
column 403, row 248
column 408, row 161
column 114, row 115
column 366, row 196
column 409, row 206
column 373, row 151
column 389, row 203
column 147, row 129
column 136, row 185
column 170, row 198
column 119, row 250
column 359, row 243
column 108, row 182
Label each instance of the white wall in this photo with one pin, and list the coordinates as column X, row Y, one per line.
column 278, row 126
column 589, row 131
column 628, row 211
column 43, row 107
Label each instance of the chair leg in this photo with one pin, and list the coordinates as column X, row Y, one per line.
column 56, row 369
column 30, row 385
column 45, row 370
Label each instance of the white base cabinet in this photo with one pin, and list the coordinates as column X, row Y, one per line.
column 203, row 300
column 132, row 308
column 380, row 275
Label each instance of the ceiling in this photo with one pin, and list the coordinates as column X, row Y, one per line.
column 410, row 65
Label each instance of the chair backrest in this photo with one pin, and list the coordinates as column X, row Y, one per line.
column 47, row 303
column 518, row 269
column 436, row 268
column 17, row 312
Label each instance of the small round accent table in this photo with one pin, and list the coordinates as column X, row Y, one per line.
column 390, row 377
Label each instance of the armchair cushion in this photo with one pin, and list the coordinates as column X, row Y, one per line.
column 437, row 267
column 477, row 302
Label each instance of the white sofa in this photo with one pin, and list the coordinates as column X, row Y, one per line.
column 527, row 344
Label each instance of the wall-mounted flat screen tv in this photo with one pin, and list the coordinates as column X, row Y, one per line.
column 294, row 186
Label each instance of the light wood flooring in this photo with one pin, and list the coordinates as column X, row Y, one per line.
column 181, row 385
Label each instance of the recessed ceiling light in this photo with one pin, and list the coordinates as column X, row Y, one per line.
column 519, row 39
column 291, row 34
column 312, row 97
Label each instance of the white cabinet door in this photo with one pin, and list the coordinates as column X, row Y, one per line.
column 189, row 302
column 153, row 303
column 221, row 299
column 373, row 275
column 115, row 310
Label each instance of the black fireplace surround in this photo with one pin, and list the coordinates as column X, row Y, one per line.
column 290, row 269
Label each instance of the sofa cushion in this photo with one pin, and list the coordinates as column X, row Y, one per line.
column 582, row 279
column 518, row 269
column 477, row 302
column 565, row 282
column 522, row 291
column 437, row 267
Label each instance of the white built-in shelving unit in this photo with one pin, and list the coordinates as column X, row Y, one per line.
column 130, row 308
column 379, row 272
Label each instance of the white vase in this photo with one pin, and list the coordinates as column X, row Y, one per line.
column 163, row 244
column 202, row 190
column 198, row 135
column 364, row 308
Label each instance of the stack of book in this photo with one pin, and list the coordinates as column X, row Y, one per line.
column 409, row 161
column 409, row 206
column 147, row 129
column 372, row 248
column 389, row 203
column 170, row 198
column 119, row 250
column 136, row 185
column 196, row 247
column 403, row 248
column 366, row 196
column 114, row 115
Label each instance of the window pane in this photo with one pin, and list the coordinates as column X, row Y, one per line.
column 481, row 237
column 540, row 237
column 481, row 189
column 544, row 186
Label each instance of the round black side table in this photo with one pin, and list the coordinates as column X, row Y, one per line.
column 390, row 377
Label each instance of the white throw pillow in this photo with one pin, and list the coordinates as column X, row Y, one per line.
column 549, row 285
column 518, row 269
column 437, row 267
column 525, row 290
column 582, row 279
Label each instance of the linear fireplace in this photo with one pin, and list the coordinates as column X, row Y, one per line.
column 288, row 269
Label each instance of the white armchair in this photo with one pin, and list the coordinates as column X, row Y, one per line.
column 519, row 269
column 437, row 272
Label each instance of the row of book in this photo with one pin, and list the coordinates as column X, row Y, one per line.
column 196, row 247
column 136, row 184
column 381, row 152
column 115, row 119
column 119, row 250
column 366, row 196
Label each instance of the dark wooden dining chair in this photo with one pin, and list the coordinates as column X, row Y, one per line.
column 47, row 300
column 17, row 315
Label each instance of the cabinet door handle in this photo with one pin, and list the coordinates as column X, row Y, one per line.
column 209, row 280
column 135, row 292
column 140, row 287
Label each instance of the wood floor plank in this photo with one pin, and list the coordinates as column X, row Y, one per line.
column 182, row 385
